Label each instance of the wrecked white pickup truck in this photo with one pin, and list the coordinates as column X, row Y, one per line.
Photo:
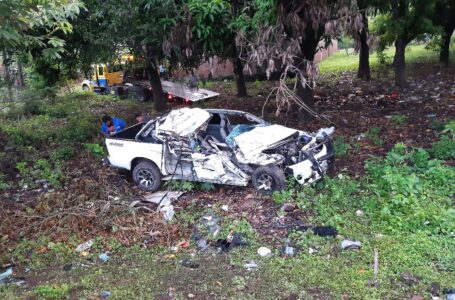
column 219, row 146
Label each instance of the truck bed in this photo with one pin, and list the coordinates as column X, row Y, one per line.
column 128, row 133
column 181, row 90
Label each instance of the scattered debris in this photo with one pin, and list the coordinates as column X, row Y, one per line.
column 84, row 254
column 450, row 293
column 375, row 267
column 287, row 250
column 7, row 278
column 288, row 207
column 312, row 250
column 351, row 245
column 190, row 264
column 104, row 257
column 168, row 212
column 183, row 244
column 264, row 252
column 250, row 265
column 209, row 225
column 225, row 207
column 359, row 213
column 231, row 241
column 161, row 201
column 408, row 278
column 105, row 294
column 84, row 246
column 6, row 274
column 68, row 267
column 320, row 230
column 202, row 244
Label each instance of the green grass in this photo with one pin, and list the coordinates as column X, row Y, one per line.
column 405, row 219
column 339, row 61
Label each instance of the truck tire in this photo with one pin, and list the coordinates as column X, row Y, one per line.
column 147, row 176
column 268, row 179
column 138, row 93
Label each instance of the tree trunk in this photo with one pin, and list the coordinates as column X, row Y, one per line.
column 308, row 46
column 20, row 72
column 159, row 100
column 8, row 79
column 399, row 62
column 151, row 69
column 444, row 54
column 240, row 78
column 364, row 53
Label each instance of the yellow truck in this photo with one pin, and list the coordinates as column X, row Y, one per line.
column 103, row 77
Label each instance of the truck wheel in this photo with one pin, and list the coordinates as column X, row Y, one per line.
column 147, row 176
column 85, row 88
column 268, row 179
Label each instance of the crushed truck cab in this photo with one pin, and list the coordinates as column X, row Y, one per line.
column 220, row 146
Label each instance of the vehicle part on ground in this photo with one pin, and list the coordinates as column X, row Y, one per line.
column 147, row 176
column 220, row 146
column 348, row 244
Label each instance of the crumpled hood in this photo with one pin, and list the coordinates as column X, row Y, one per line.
column 261, row 138
column 184, row 121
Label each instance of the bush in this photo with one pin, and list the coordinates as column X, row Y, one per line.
column 399, row 119
column 3, row 184
column 403, row 197
column 44, row 129
column 374, row 136
column 444, row 148
column 40, row 170
column 63, row 153
column 52, row 291
column 95, row 150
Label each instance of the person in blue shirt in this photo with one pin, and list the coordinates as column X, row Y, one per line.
column 112, row 125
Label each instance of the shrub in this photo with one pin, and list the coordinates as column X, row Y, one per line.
column 373, row 136
column 63, row 153
column 341, row 148
column 52, row 291
column 403, row 197
column 95, row 150
column 399, row 119
column 44, row 129
column 444, row 148
column 3, row 184
column 42, row 170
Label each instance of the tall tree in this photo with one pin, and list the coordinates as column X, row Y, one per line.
column 444, row 17
column 311, row 23
column 210, row 31
column 141, row 26
column 401, row 22
column 34, row 24
column 364, row 49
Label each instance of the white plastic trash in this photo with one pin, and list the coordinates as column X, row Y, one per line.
column 264, row 251
column 84, row 246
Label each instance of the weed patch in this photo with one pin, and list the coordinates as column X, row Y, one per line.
column 399, row 119
column 341, row 148
column 54, row 291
